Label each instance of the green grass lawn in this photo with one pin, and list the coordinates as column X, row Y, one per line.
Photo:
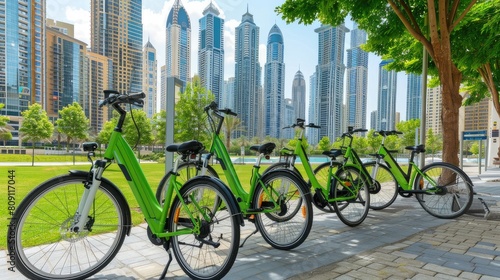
column 41, row 158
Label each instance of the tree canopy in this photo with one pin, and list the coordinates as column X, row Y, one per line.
column 73, row 123
column 35, row 126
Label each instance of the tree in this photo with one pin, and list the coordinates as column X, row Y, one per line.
column 190, row 119
column 373, row 141
column 231, row 124
column 73, row 123
column 324, row 144
column 107, row 129
column 159, row 127
column 433, row 142
column 137, row 129
column 388, row 24
column 408, row 128
column 5, row 129
column 35, row 127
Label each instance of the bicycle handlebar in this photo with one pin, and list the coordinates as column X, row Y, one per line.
column 214, row 107
column 385, row 133
column 301, row 123
column 114, row 97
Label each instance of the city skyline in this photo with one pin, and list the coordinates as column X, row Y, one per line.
column 297, row 38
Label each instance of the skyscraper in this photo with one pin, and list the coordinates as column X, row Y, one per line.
column 274, row 83
column 330, row 79
column 116, row 32
column 313, row 134
column 413, row 97
column 22, row 55
column 357, row 80
column 211, row 51
column 100, row 73
column 299, row 96
column 149, row 80
column 386, row 109
column 247, row 98
column 228, row 96
column 288, row 119
column 434, row 100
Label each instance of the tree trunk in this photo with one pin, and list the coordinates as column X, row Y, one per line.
column 33, row 154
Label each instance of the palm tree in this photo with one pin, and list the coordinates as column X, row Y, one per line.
column 231, row 124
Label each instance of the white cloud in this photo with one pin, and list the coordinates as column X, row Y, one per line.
column 80, row 18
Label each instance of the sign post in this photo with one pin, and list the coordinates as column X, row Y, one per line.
column 474, row 135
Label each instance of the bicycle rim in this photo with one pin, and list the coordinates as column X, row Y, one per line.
column 45, row 248
column 385, row 190
column 210, row 253
column 449, row 191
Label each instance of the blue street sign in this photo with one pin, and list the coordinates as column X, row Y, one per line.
column 474, row 135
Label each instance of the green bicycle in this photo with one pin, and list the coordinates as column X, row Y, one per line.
column 442, row 189
column 72, row 226
column 279, row 203
column 338, row 187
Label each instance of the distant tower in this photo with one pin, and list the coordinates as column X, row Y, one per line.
column 116, row 32
column 211, row 51
column 289, row 118
column 413, row 97
column 357, row 80
column 247, row 99
column 299, row 96
column 330, row 79
column 150, row 70
column 313, row 134
column 386, row 109
column 274, row 83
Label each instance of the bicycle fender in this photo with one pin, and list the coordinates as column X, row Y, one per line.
column 233, row 205
column 303, row 183
column 128, row 217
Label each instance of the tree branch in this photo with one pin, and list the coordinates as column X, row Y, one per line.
column 452, row 13
column 464, row 13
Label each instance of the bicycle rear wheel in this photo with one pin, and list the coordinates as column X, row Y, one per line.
column 385, row 190
column 447, row 190
column 45, row 247
column 288, row 227
column 352, row 196
column 186, row 171
column 281, row 165
column 210, row 252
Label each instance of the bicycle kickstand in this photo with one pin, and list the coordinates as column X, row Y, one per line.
column 246, row 238
column 485, row 207
column 166, row 245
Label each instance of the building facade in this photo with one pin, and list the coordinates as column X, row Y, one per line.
column 116, row 32
column 248, row 89
column 211, row 51
column 357, row 80
column 330, row 80
column 149, row 78
column 313, row 134
column 386, row 105
column 228, row 94
column 414, row 97
column 434, row 102
column 299, row 96
column 100, row 77
column 274, row 84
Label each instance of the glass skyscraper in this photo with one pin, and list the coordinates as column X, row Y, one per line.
column 150, row 74
column 274, row 84
column 116, row 32
column 357, row 80
column 386, row 109
column 299, row 96
column 178, row 44
column 22, row 52
column 247, row 97
column 330, row 80
column 211, row 51
column 414, row 97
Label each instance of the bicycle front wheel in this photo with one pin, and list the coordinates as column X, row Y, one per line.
column 352, row 196
column 211, row 250
column 288, row 226
column 322, row 174
column 42, row 242
column 186, row 171
column 444, row 190
column 385, row 188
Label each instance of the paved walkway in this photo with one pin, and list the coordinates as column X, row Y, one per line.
column 400, row 242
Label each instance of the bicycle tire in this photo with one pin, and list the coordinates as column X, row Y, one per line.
column 321, row 174
column 281, row 165
column 186, row 171
column 289, row 227
column 351, row 212
column 454, row 194
column 385, row 191
column 61, row 254
column 197, row 258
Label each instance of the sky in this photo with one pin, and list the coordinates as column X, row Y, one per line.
column 300, row 41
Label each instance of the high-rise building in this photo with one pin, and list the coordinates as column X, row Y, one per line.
column 178, row 50
column 299, row 95
column 149, row 79
column 357, row 80
column 211, row 51
column 22, row 55
column 313, row 134
column 274, row 84
column 100, row 73
column 289, row 119
column 386, row 106
column 373, row 120
column 330, row 80
column 66, row 72
column 247, row 99
column 116, row 32
column 434, row 102
column 63, row 27
column 228, row 96
column 163, row 87
column 413, row 97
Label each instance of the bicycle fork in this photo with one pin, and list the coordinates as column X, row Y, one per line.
column 81, row 217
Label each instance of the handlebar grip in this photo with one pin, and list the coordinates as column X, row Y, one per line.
column 228, row 111
column 137, row 95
